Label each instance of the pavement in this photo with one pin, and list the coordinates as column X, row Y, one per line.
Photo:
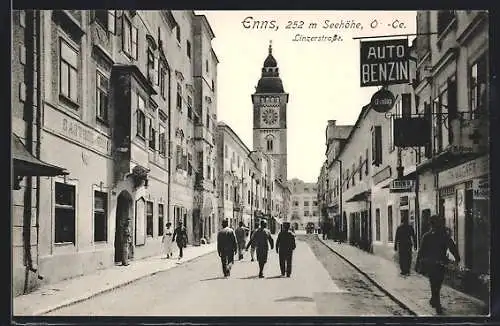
column 68, row 292
column 412, row 291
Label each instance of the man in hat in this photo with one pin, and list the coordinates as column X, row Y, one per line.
column 432, row 257
column 241, row 233
column 226, row 247
column 285, row 245
column 260, row 239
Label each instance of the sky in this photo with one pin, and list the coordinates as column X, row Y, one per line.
column 321, row 77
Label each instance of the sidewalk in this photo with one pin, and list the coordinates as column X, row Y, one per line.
column 412, row 291
column 53, row 296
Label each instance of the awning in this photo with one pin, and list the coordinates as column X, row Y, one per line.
column 362, row 196
column 25, row 164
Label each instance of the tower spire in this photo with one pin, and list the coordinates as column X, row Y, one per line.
column 270, row 46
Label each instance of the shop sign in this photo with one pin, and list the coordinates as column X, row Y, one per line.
column 401, row 186
column 382, row 101
column 76, row 131
column 464, row 172
column 384, row 62
column 481, row 189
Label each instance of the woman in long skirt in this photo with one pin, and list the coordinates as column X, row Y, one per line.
column 167, row 240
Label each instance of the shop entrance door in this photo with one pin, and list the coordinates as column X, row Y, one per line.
column 469, row 230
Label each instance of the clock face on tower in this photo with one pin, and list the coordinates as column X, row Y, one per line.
column 269, row 116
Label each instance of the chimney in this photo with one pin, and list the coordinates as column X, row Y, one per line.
column 332, row 122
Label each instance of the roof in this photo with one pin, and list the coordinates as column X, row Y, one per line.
column 270, row 85
column 25, row 164
column 270, row 61
column 342, row 132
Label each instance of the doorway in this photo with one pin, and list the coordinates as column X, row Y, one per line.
column 123, row 212
column 469, row 230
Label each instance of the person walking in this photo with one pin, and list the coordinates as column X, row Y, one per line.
column 181, row 238
column 285, row 245
column 240, row 232
column 432, row 257
column 226, row 247
column 263, row 240
column 167, row 240
column 403, row 242
column 252, row 246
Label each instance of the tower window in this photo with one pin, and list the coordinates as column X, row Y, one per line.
column 269, row 145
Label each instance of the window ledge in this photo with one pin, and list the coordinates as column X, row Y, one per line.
column 64, row 244
column 66, row 100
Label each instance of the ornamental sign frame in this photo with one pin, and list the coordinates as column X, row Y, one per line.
column 384, row 62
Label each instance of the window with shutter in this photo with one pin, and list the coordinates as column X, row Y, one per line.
column 452, row 106
column 377, row 145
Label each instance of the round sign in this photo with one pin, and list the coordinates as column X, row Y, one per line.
column 382, row 101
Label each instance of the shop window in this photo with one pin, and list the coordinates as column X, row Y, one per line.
column 390, row 224
column 161, row 218
column 478, row 86
column 68, row 74
column 129, row 38
column 149, row 218
column 100, row 216
column 102, row 84
column 377, row 224
column 65, row 210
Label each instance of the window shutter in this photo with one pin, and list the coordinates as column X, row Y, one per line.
column 406, row 105
column 378, row 144
column 428, row 118
column 452, row 99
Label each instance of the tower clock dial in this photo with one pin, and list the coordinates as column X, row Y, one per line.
column 269, row 116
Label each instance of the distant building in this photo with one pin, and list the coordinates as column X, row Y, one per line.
column 304, row 206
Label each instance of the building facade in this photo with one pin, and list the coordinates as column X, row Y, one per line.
column 115, row 92
column 304, row 204
column 449, row 176
column 248, row 191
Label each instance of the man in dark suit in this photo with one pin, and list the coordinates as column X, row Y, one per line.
column 226, row 247
column 285, row 245
column 260, row 239
column 181, row 238
column 405, row 239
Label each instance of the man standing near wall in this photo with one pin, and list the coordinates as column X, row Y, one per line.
column 405, row 238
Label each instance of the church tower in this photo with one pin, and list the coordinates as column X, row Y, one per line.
column 269, row 115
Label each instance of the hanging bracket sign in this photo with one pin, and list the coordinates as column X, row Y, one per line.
column 384, row 62
column 382, row 101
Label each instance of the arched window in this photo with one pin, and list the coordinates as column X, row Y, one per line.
column 269, row 144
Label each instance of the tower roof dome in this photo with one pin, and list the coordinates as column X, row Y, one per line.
column 270, row 81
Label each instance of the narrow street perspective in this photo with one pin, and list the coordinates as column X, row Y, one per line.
column 216, row 163
column 321, row 284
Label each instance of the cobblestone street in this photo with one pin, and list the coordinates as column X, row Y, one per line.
column 321, row 284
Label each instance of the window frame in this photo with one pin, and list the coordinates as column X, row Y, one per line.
column 70, row 68
column 140, row 113
column 99, row 90
column 105, row 215
column 147, row 205
column 73, row 184
column 127, row 25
